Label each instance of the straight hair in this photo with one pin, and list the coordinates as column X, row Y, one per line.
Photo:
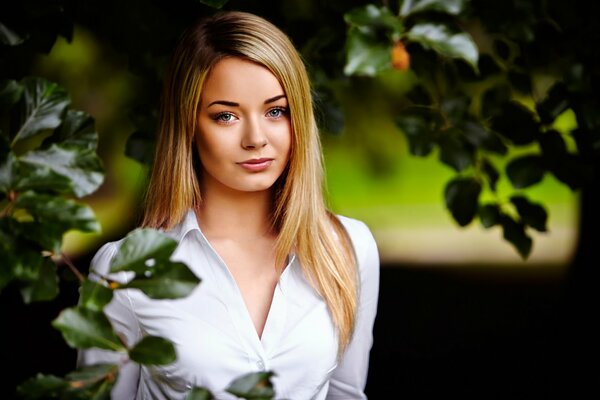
column 300, row 217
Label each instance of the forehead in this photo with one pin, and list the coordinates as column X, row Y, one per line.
column 239, row 80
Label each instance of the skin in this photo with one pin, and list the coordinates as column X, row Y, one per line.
column 243, row 116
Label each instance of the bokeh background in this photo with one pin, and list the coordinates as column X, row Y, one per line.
column 460, row 312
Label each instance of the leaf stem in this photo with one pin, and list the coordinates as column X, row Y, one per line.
column 72, row 267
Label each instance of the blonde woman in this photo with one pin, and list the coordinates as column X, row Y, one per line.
column 286, row 285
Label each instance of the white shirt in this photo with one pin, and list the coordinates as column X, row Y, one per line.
column 215, row 338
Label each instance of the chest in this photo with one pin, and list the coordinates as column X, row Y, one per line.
column 252, row 267
column 216, row 340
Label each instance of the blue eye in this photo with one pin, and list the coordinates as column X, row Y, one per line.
column 277, row 112
column 224, row 117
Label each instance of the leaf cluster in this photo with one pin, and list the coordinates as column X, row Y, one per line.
column 479, row 98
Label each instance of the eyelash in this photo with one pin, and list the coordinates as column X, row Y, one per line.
column 283, row 110
column 219, row 117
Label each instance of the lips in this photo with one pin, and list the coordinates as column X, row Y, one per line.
column 256, row 164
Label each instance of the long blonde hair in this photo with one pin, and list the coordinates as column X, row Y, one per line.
column 300, row 217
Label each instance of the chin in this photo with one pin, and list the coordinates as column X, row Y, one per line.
column 254, row 186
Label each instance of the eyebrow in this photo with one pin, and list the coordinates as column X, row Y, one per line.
column 234, row 104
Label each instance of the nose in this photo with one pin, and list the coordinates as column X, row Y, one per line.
column 254, row 135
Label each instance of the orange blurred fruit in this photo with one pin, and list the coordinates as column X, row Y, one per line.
column 400, row 57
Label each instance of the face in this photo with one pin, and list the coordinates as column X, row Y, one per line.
column 244, row 131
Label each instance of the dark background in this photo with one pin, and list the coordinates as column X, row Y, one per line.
column 440, row 331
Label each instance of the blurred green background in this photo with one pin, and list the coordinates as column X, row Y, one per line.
column 370, row 174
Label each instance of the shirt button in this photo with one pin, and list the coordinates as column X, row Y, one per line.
column 260, row 365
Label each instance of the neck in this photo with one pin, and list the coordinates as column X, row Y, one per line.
column 229, row 214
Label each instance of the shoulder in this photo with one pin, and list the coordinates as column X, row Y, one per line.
column 101, row 262
column 361, row 237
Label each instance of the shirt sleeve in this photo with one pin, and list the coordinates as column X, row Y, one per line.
column 120, row 313
column 349, row 378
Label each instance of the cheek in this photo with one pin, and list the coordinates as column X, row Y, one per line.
column 284, row 141
column 209, row 147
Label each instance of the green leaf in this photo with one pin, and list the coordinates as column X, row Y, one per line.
column 153, row 350
column 481, row 137
column 9, row 37
column 449, row 44
column 255, row 385
column 370, row 18
column 365, row 55
column 555, row 103
column 516, row 123
column 461, row 196
column 142, row 249
column 165, row 280
column 573, row 171
column 94, row 296
column 456, row 108
column 101, row 391
column 453, row 7
column 28, row 262
column 31, row 177
column 493, row 99
column 553, row 146
column 77, row 130
column 514, row 233
column 214, row 3
column 147, row 252
column 45, row 287
column 491, row 172
column 525, row 171
column 58, row 212
column 48, row 236
column 532, row 214
column 455, row 151
column 41, row 108
column 10, row 92
column 489, row 215
column 419, row 132
column 198, row 393
column 95, row 372
column 84, row 328
column 8, row 173
column 74, row 170
column 92, row 382
column 42, row 387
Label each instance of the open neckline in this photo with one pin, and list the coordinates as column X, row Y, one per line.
column 266, row 331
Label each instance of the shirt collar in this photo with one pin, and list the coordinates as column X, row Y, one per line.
column 190, row 223
column 187, row 224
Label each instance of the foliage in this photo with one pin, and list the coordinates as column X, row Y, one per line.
column 479, row 92
column 49, row 156
column 488, row 89
column 491, row 80
column 48, row 162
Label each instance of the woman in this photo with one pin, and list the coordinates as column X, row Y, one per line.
column 287, row 286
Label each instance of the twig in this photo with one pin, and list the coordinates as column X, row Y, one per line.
column 72, row 267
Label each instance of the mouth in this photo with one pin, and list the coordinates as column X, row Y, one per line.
column 256, row 164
